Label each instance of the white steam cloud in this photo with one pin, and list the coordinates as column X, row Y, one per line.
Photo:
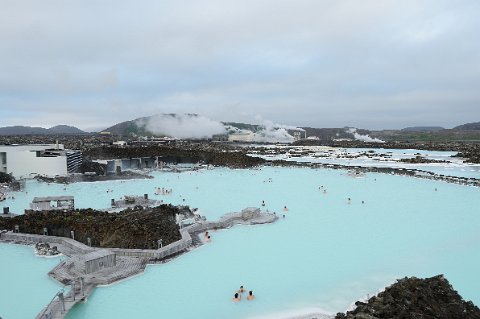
column 364, row 138
column 273, row 136
column 274, row 132
column 193, row 126
column 182, row 125
column 270, row 125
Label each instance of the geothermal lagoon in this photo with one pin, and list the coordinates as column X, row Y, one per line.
column 324, row 255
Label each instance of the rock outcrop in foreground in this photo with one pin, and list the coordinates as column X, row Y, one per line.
column 413, row 298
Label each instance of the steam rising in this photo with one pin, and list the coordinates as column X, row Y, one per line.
column 274, row 132
column 364, row 138
column 182, row 125
column 272, row 135
column 193, row 126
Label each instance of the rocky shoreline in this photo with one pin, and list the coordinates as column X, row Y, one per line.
column 137, row 227
column 206, row 150
column 468, row 150
column 201, row 153
column 409, row 298
column 414, row 298
column 78, row 178
column 44, row 249
column 470, row 181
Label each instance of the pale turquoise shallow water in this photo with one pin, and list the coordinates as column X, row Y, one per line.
column 25, row 287
column 325, row 254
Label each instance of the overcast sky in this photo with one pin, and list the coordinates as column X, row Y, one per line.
column 322, row 63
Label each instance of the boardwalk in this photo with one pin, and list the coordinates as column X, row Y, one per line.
column 129, row 262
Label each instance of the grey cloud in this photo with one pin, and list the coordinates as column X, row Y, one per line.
column 373, row 64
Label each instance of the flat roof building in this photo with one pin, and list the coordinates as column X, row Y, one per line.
column 241, row 137
column 53, row 203
column 25, row 161
column 96, row 260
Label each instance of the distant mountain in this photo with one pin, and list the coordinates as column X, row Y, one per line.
column 29, row 130
column 126, row 128
column 423, row 129
column 468, row 127
column 197, row 126
column 141, row 125
column 65, row 129
column 23, row 130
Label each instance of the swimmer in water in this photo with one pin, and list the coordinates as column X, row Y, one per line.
column 241, row 290
column 236, row 297
column 250, row 295
column 285, row 209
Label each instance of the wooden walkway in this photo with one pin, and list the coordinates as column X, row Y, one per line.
column 129, row 262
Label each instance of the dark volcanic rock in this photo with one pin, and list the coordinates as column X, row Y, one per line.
column 207, row 155
column 472, row 154
column 420, row 160
column 12, row 183
column 44, row 249
column 5, row 178
column 131, row 228
column 469, row 150
column 413, row 298
column 94, row 167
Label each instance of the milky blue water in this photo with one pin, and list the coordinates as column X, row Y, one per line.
column 453, row 167
column 325, row 254
column 25, row 287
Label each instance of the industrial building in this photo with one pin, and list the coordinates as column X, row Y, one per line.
column 120, row 165
column 25, row 161
column 53, row 203
column 242, row 137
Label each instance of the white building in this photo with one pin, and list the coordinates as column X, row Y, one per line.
column 24, row 161
column 120, row 143
column 242, row 137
